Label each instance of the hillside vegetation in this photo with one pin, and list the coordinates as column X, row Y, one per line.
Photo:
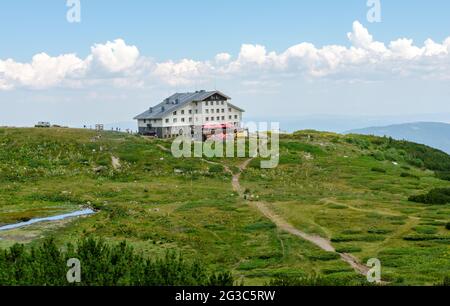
column 433, row 134
column 352, row 190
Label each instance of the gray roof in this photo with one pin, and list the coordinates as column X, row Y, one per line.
column 177, row 101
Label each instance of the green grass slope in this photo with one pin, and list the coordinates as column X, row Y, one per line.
column 351, row 189
column 354, row 190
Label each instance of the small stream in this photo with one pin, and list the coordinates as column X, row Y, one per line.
column 84, row 212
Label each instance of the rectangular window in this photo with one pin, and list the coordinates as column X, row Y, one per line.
column 223, row 117
column 207, row 119
column 206, row 103
column 212, row 111
column 218, row 118
column 207, row 111
column 190, row 112
column 190, row 119
column 223, row 110
column 174, row 120
column 218, row 111
column 223, row 103
column 235, row 116
column 217, row 103
column 167, row 120
column 230, row 117
column 196, row 111
column 229, row 109
column 182, row 119
column 174, row 113
column 182, row 112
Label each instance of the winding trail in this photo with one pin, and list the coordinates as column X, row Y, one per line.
column 282, row 224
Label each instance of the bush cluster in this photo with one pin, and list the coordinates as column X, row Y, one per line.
column 101, row 265
column 379, row 170
column 437, row 196
column 293, row 281
column 443, row 175
column 409, row 175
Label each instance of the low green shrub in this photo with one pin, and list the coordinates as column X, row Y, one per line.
column 379, row 170
column 425, row 229
column 443, row 175
column 337, row 206
column 446, row 281
column 378, row 155
column 379, row 231
column 360, row 142
column 417, row 237
column 437, row 196
column 409, row 175
column 324, row 256
column 393, row 155
column 301, row 147
column 315, row 281
column 263, row 225
column 365, row 238
column 216, row 169
column 348, row 249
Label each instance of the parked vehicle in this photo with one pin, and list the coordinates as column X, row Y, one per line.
column 43, row 125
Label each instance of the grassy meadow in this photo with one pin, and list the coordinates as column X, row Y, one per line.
column 351, row 189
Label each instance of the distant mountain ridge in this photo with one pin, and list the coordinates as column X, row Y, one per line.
column 433, row 134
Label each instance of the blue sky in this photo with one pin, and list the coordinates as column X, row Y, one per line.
column 172, row 30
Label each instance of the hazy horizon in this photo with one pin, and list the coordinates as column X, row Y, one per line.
column 336, row 72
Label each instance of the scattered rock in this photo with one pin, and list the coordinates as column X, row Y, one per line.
column 308, row 156
column 115, row 161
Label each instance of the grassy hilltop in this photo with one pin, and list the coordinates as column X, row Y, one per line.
column 352, row 190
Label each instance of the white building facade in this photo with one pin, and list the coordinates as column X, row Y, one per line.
column 189, row 113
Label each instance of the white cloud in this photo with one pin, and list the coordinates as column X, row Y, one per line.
column 223, row 57
column 253, row 54
column 43, row 71
column 362, row 39
column 404, row 49
column 183, row 72
column 122, row 65
column 115, row 56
